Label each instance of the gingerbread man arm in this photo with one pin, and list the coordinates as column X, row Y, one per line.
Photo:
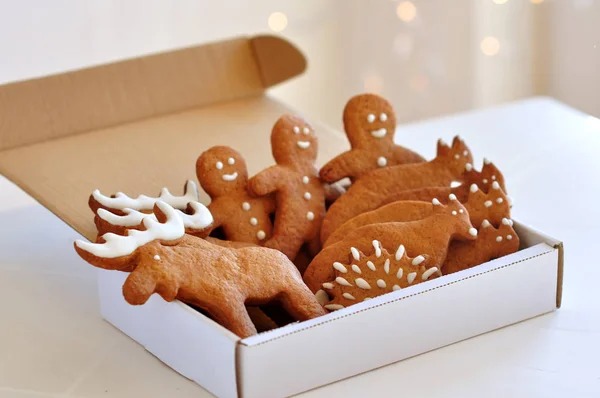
column 403, row 155
column 342, row 166
column 267, row 181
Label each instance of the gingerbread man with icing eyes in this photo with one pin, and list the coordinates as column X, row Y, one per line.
column 223, row 175
column 299, row 193
column 369, row 122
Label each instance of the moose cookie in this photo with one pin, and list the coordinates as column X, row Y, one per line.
column 223, row 174
column 369, row 192
column 370, row 123
column 163, row 259
column 299, row 194
column 431, row 236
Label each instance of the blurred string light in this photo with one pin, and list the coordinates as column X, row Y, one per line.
column 500, row 1
column 419, row 83
column 373, row 83
column 490, row 46
column 278, row 21
column 406, row 11
column 403, row 45
column 537, row 1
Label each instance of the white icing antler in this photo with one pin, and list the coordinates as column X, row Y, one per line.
column 143, row 202
column 201, row 218
column 118, row 246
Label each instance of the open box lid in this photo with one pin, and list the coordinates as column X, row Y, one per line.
column 139, row 125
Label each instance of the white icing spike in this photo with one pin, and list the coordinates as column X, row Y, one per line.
column 363, row 284
column 399, row 273
column 355, row 253
column 468, row 167
column 411, row 277
column 495, row 185
column 371, row 265
column 386, row 266
column 418, row 260
column 340, row 267
column 400, row 252
column 333, row 307
column 486, row 161
column 436, row 202
column 474, row 188
column 328, row 285
column 348, row 296
column 429, row 272
column 452, row 196
column 342, row 281
column 381, row 284
column 377, row 248
column 485, row 224
column 356, row 269
column 487, row 203
column 472, row 231
column 396, row 287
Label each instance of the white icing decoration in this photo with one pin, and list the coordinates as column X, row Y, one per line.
column 472, row 232
column 367, row 298
column 307, row 195
column 328, row 285
column 348, row 296
column 454, row 212
column 499, row 200
column 495, row 184
column 296, row 129
column 381, row 284
column 399, row 273
column 253, row 220
column 371, row 265
column 485, row 181
column 363, row 284
column 342, row 281
column 507, row 221
column 201, row 218
column 305, row 180
column 340, row 267
column 379, row 133
column 231, row 161
column 411, row 277
column 468, row 167
column 466, row 153
column 508, row 237
column 118, row 246
column 383, row 117
column 219, row 165
column 143, row 202
column 370, row 118
column 356, row 269
column 418, row 260
column 386, row 266
column 487, row 203
column 510, row 200
column 499, row 239
column 452, row 196
column 303, row 144
column 485, row 224
column 322, row 296
column 399, row 252
column 381, row 161
column 428, row 273
column 310, row 216
column 396, row 287
column 246, row 206
column 486, row 161
column 156, row 257
column 230, row 177
column 333, row 307
column 436, row 202
column 457, row 156
column 306, row 130
column 474, row 188
column 375, row 244
column 355, row 253
column 461, row 211
column 261, row 235
column 493, row 177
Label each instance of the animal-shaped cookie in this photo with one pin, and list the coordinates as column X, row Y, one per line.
column 370, row 191
column 164, row 259
column 376, row 274
column 370, row 123
column 492, row 206
column 491, row 243
column 223, row 174
column 300, row 195
column 430, row 235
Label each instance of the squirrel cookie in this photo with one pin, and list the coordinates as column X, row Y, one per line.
column 492, row 206
column 369, row 192
column 370, row 123
column 299, row 194
column 163, row 259
column 431, row 236
column 376, row 274
column 491, row 243
column 223, row 175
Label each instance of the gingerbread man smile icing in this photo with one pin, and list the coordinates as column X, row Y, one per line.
column 369, row 121
column 223, row 175
column 299, row 193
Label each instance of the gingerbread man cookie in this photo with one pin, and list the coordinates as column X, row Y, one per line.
column 223, row 175
column 370, row 123
column 164, row 259
column 371, row 191
column 299, row 193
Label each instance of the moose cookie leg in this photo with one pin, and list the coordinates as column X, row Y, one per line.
column 234, row 317
column 300, row 305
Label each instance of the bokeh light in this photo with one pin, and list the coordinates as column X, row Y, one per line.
column 278, row 21
column 406, row 11
column 500, row 1
column 490, row 46
column 537, row 1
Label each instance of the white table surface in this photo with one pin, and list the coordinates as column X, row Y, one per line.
column 53, row 342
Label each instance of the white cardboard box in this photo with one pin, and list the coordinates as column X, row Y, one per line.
column 365, row 336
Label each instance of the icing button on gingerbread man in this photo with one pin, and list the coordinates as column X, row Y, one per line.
column 223, row 175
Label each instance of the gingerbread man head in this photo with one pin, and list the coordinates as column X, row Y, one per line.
column 221, row 171
column 293, row 142
column 369, row 118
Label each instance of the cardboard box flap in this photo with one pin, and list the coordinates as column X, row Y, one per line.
column 102, row 96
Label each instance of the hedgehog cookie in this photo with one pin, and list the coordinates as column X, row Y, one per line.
column 222, row 173
column 370, row 122
column 299, row 194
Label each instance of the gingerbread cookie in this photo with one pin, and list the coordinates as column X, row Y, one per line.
column 491, row 243
column 299, row 193
column 430, row 235
column 164, row 259
column 370, row 123
column 369, row 192
column 376, row 274
column 223, row 175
